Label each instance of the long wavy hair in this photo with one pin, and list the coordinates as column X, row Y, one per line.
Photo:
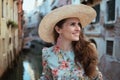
column 85, row 53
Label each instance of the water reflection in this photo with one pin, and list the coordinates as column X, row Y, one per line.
column 28, row 71
column 32, row 62
column 32, row 67
column 28, row 65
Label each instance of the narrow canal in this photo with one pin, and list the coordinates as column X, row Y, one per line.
column 28, row 65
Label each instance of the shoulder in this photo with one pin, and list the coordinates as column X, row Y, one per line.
column 48, row 54
column 46, row 50
column 92, row 45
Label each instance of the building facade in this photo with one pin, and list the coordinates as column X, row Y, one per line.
column 9, row 33
column 104, row 32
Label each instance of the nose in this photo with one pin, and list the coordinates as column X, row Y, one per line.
column 78, row 27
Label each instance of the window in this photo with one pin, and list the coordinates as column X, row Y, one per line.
column 7, row 8
column 111, row 10
column 2, row 8
column 3, row 45
column 97, row 8
column 29, row 19
column 109, row 48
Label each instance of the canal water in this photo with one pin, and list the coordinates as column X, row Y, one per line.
column 28, row 66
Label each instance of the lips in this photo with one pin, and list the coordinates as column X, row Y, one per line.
column 76, row 34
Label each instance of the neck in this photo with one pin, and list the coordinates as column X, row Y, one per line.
column 65, row 45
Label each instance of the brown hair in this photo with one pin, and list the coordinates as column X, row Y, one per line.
column 85, row 53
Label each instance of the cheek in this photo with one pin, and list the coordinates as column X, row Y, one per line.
column 68, row 35
column 67, row 32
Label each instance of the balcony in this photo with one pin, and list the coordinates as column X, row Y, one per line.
column 93, row 30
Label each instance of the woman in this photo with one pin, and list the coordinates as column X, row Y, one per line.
column 72, row 57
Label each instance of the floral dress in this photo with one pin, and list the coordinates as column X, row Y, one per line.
column 60, row 65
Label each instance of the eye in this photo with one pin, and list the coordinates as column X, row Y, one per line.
column 80, row 25
column 72, row 24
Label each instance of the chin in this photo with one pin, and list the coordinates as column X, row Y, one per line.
column 75, row 39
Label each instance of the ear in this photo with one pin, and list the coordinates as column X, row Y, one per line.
column 57, row 29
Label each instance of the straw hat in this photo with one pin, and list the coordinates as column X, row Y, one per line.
column 85, row 14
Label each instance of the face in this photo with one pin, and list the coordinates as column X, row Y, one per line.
column 70, row 30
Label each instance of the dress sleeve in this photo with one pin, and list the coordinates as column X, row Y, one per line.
column 99, row 76
column 46, row 73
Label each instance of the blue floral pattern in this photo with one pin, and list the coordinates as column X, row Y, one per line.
column 60, row 65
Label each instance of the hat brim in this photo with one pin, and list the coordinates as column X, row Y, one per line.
column 83, row 12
